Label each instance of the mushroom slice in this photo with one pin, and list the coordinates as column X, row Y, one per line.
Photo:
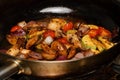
column 12, row 39
column 31, row 42
column 48, row 53
column 60, row 48
column 72, row 52
column 47, row 49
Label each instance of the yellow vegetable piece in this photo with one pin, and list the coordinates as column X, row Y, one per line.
column 106, row 42
column 38, row 46
column 37, row 33
column 71, row 31
column 98, row 44
column 95, row 51
column 87, row 42
column 93, row 26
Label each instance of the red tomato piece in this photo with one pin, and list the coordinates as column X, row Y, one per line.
column 104, row 32
column 49, row 33
column 93, row 33
column 15, row 28
column 68, row 26
column 63, row 40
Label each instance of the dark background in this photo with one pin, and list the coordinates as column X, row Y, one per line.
column 7, row 6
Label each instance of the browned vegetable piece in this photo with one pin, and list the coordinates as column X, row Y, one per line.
column 88, row 53
column 21, row 42
column 60, row 48
column 42, row 24
column 31, row 24
column 83, row 29
column 31, row 42
column 47, row 49
column 12, row 39
column 13, row 51
column 48, row 56
column 56, row 23
column 48, row 53
column 72, row 52
column 23, row 53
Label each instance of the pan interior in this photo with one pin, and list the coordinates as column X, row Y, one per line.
column 90, row 13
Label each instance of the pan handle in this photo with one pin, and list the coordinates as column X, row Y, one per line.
column 11, row 67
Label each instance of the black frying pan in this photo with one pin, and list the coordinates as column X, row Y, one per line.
column 91, row 13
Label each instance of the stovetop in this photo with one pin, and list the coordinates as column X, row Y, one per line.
column 105, row 72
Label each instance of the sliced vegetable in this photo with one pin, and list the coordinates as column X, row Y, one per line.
column 31, row 42
column 35, row 33
column 49, row 33
column 106, row 42
column 67, row 26
column 88, row 53
column 56, row 23
column 15, row 28
column 71, row 31
column 91, row 26
column 22, row 24
column 48, row 40
column 48, row 56
column 35, row 55
column 62, row 58
column 72, row 52
column 99, row 45
column 104, row 32
column 39, row 47
column 63, row 40
column 13, row 51
column 19, row 32
column 93, row 33
column 12, row 39
column 79, row 55
column 87, row 42
column 59, row 47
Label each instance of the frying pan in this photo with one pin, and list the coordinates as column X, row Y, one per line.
column 91, row 13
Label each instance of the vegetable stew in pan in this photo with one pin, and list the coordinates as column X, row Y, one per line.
column 57, row 38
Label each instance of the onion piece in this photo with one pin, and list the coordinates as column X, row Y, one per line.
column 35, row 55
column 79, row 55
column 22, row 24
column 88, row 53
column 19, row 32
column 25, row 51
column 61, row 58
column 48, row 40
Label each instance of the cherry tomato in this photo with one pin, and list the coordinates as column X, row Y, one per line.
column 67, row 26
column 93, row 33
column 63, row 40
column 49, row 33
column 15, row 28
column 104, row 32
